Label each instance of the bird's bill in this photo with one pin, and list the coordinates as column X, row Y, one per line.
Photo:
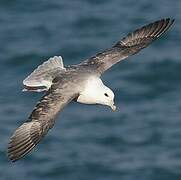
column 113, row 107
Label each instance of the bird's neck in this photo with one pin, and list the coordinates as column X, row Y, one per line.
column 91, row 92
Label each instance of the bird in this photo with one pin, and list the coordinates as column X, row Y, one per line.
column 81, row 83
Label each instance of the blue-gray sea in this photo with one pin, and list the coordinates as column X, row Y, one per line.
column 142, row 139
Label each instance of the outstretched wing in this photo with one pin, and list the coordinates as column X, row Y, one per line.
column 129, row 45
column 29, row 134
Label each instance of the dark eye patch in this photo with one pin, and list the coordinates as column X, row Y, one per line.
column 106, row 94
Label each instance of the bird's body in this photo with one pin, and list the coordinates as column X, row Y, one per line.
column 81, row 83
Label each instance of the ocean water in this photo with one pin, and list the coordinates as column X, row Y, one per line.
column 142, row 139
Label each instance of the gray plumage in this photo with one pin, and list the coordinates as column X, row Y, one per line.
column 65, row 84
column 129, row 45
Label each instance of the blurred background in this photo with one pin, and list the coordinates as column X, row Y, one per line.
column 142, row 139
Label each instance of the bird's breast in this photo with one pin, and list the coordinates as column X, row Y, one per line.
column 85, row 99
column 90, row 92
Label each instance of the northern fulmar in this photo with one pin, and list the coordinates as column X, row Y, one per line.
column 80, row 82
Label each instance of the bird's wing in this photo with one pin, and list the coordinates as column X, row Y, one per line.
column 29, row 134
column 129, row 45
column 41, row 78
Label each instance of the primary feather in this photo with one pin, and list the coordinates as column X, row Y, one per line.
column 42, row 118
column 129, row 45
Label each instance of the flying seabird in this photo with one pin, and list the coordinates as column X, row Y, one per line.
column 80, row 82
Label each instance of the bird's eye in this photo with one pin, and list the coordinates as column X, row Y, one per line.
column 106, row 94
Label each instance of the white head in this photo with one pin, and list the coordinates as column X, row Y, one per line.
column 106, row 97
column 96, row 92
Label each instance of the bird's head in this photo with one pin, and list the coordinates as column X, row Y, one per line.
column 107, row 98
column 97, row 93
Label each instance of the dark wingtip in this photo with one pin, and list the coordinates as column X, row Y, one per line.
column 25, row 138
column 146, row 34
column 167, row 23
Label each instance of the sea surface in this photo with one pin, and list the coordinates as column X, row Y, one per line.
column 142, row 139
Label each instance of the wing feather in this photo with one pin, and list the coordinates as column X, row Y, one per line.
column 29, row 134
column 129, row 45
